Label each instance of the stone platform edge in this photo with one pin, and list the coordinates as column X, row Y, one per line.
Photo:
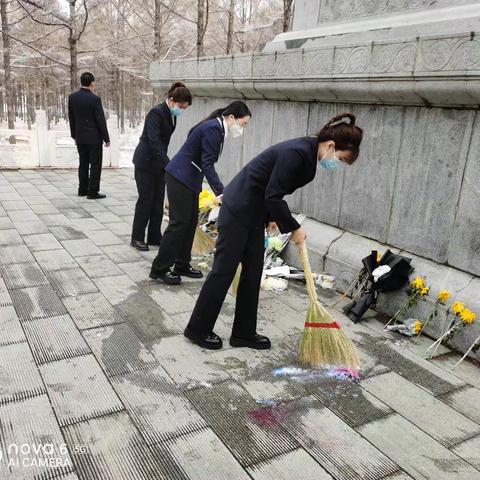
column 339, row 253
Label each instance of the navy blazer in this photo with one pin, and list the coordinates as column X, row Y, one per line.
column 197, row 157
column 87, row 118
column 151, row 152
column 256, row 194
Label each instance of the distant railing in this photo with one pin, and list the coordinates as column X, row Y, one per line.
column 40, row 147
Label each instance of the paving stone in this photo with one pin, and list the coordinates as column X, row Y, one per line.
column 116, row 289
column 22, row 216
column 6, row 223
column 31, row 227
column 74, row 214
column 80, row 248
column 10, row 237
column 36, row 199
column 15, row 254
column 21, row 275
column 37, row 302
column 221, row 463
column 117, row 349
column 288, row 466
column 121, row 210
column 54, row 338
column 157, row 406
column 103, row 237
column 413, row 368
column 429, row 414
column 87, row 224
column 79, row 390
column 226, row 408
column 10, row 205
column 98, row 266
column 170, row 298
column 10, row 328
column 55, row 220
column 332, row 443
column 416, row 452
column 42, row 241
column 45, row 209
column 137, row 271
column 467, row 370
column 469, row 451
column 5, row 298
column 72, row 282
column 19, row 375
column 186, row 363
column 122, row 253
column 466, row 401
column 67, row 233
column 51, row 260
column 106, row 217
column 116, row 450
column 284, row 317
column 119, row 228
column 91, row 310
column 32, row 422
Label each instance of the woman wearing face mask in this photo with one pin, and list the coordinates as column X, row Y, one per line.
column 184, row 175
column 253, row 198
column 150, row 159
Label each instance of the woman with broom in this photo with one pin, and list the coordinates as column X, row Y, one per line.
column 184, row 175
column 253, row 198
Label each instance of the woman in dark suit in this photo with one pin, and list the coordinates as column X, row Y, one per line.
column 184, row 175
column 253, row 198
column 150, row 159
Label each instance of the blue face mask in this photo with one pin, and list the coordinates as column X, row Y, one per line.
column 176, row 111
column 330, row 163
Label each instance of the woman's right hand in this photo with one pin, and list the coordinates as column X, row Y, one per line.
column 299, row 236
column 219, row 199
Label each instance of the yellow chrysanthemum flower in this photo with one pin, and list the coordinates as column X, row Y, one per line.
column 418, row 283
column 379, row 256
column 424, row 291
column 468, row 316
column 417, row 327
column 443, row 296
column 458, row 308
column 206, row 199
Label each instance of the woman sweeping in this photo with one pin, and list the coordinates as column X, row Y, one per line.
column 253, row 198
column 150, row 159
column 184, row 175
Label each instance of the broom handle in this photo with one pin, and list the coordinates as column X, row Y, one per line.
column 312, row 291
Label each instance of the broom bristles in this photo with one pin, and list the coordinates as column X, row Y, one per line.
column 236, row 280
column 202, row 243
column 324, row 343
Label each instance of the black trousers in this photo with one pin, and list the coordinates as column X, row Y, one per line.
column 176, row 245
column 149, row 207
column 90, row 168
column 236, row 244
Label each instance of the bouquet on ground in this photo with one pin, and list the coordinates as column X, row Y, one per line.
column 206, row 231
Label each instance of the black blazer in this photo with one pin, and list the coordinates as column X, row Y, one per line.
column 256, row 194
column 151, row 152
column 87, row 118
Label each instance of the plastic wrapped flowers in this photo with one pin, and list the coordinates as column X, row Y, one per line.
column 410, row 327
column 206, row 200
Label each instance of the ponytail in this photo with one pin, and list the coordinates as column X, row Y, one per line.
column 180, row 93
column 346, row 135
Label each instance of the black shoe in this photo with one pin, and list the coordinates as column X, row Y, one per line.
column 150, row 244
column 258, row 342
column 96, row 196
column 82, row 194
column 141, row 246
column 209, row 340
column 166, row 277
column 187, row 272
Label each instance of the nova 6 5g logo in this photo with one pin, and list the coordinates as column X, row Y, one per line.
column 39, row 455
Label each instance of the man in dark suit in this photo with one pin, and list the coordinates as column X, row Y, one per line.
column 88, row 128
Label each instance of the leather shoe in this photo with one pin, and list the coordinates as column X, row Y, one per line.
column 153, row 244
column 141, row 246
column 96, row 196
column 82, row 194
column 188, row 272
column 166, row 277
column 209, row 340
column 258, row 342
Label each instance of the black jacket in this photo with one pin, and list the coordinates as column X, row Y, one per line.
column 256, row 194
column 87, row 118
column 151, row 152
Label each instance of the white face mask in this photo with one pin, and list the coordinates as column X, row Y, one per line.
column 235, row 130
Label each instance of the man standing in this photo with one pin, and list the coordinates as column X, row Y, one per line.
column 88, row 128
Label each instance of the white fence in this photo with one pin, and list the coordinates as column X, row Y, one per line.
column 40, row 147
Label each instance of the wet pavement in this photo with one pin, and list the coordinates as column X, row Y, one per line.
column 98, row 382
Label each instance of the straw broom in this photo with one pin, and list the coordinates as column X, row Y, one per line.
column 236, row 280
column 203, row 244
column 324, row 343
